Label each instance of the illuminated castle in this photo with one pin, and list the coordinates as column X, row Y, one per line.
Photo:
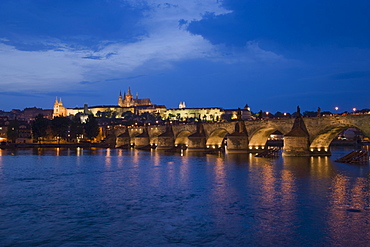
column 129, row 101
column 125, row 104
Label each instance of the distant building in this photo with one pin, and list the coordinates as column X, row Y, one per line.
column 204, row 114
column 4, row 122
column 233, row 113
column 24, row 130
column 125, row 104
column 59, row 109
column 28, row 114
column 129, row 101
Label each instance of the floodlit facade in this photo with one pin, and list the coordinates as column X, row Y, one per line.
column 125, row 104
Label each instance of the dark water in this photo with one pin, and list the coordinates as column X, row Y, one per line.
column 135, row 198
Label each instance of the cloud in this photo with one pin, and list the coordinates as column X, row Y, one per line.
column 65, row 66
column 41, row 70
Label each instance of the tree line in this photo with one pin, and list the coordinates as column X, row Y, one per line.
column 64, row 128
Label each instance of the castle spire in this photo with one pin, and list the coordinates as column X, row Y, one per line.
column 129, row 92
column 120, row 101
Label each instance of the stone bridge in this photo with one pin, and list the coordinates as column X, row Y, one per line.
column 244, row 136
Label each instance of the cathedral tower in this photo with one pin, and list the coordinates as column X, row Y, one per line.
column 120, row 100
column 59, row 109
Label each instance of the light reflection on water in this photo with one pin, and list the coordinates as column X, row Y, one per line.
column 114, row 197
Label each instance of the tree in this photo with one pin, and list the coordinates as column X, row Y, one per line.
column 60, row 126
column 107, row 113
column 171, row 116
column 310, row 114
column 12, row 132
column 91, row 127
column 76, row 128
column 147, row 117
column 226, row 117
column 39, row 127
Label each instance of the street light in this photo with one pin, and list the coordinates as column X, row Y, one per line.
column 354, row 109
column 336, row 108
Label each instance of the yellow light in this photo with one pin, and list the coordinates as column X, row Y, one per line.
column 354, row 109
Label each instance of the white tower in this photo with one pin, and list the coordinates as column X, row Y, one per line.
column 182, row 105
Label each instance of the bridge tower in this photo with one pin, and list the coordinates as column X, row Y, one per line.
column 198, row 140
column 166, row 140
column 123, row 140
column 297, row 141
column 238, row 140
column 142, row 140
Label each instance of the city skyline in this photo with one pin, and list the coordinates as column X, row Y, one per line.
column 272, row 56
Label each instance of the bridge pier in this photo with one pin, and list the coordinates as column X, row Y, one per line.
column 198, row 140
column 167, row 139
column 197, row 143
column 123, row 140
column 296, row 146
column 237, row 141
column 296, row 142
column 142, row 140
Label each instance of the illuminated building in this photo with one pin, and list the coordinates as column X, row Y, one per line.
column 129, row 101
column 125, row 104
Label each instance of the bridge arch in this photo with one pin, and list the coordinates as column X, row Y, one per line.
column 182, row 137
column 216, row 138
column 322, row 141
column 259, row 138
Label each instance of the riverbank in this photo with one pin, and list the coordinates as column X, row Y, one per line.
column 55, row 145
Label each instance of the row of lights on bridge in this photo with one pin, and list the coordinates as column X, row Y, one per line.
column 337, row 108
column 319, row 149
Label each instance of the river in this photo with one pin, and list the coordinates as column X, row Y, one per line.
column 114, row 197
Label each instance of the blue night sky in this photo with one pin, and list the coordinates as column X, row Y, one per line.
column 273, row 55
